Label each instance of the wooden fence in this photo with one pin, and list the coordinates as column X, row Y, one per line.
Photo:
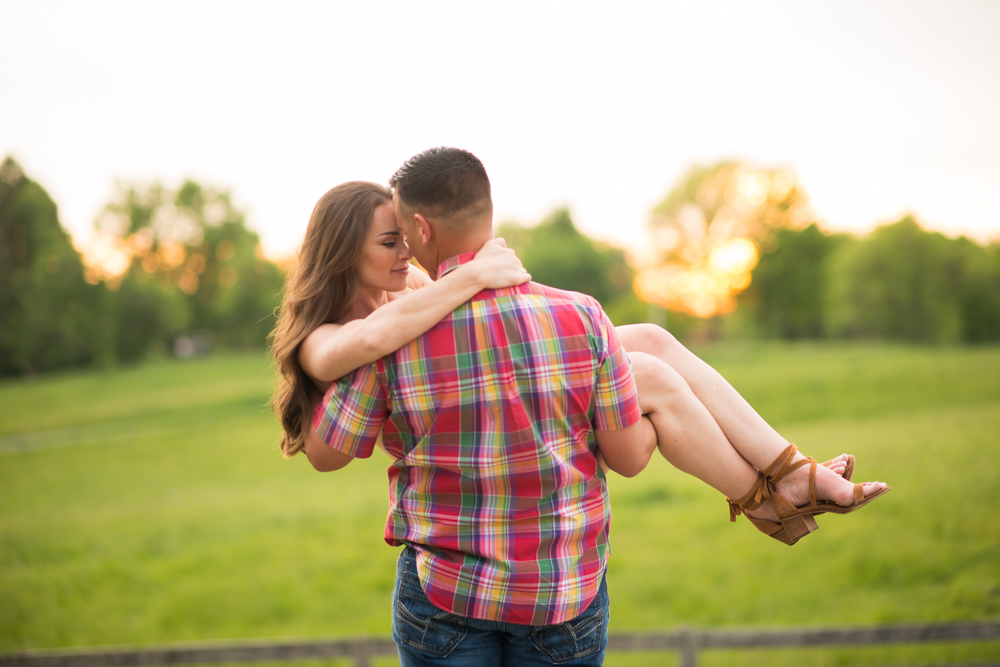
column 687, row 642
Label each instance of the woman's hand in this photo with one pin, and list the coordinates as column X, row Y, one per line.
column 497, row 266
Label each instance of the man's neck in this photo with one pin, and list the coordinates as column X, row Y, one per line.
column 453, row 247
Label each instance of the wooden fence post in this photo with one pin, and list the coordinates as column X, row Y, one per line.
column 688, row 647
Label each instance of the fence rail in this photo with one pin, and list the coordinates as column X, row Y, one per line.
column 686, row 641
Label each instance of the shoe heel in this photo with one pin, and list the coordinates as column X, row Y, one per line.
column 798, row 526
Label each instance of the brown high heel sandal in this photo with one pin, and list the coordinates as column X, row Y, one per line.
column 791, row 516
column 792, row 530
column 753, row 499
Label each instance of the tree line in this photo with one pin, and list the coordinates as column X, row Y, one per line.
column 900, row 282
column 190, row 275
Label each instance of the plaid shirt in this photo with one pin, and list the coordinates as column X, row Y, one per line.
column 496, row 481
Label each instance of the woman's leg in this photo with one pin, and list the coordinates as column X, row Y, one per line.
column 754, row 438
column 687, row 434
column 685, row 441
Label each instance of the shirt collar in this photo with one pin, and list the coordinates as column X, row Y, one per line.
column 454, row 262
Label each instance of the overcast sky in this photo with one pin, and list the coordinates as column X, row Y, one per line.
column 880, row 107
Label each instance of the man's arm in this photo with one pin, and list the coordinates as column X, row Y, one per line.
column 627, row 450
column 625, row 438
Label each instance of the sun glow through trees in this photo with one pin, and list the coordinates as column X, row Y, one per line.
column 709, row 232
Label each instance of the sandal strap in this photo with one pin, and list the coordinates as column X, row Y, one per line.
column 783, row 465
column 812, row 482
column 754, row 498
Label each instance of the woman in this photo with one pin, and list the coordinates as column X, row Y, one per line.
column 354, row 297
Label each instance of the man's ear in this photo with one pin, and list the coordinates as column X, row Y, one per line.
column 423, row 228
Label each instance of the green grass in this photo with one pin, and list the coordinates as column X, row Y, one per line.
column 151, row 505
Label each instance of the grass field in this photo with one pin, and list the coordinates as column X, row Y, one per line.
column 150, row 504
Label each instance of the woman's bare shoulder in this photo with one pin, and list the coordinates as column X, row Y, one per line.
column 416, row 278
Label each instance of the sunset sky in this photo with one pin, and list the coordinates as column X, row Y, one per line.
column 880, row 107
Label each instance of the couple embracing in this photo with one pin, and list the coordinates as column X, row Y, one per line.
column 501, row 402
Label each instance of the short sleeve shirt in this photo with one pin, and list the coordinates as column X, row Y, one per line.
column 496, row 479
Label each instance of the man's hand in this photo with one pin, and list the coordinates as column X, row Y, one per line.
column 497, row 266
column 627, row 450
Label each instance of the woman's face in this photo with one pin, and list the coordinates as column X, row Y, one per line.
column 385, row 260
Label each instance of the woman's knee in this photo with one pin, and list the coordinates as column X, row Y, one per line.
column 648, row 338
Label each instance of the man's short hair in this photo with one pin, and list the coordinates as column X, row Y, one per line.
column 443, row 181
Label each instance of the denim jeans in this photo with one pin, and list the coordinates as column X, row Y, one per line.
column 426, row 635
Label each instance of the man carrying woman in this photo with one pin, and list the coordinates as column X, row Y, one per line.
column 498, row 407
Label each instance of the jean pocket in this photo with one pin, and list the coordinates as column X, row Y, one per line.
column 585, row 635
column 420, row 625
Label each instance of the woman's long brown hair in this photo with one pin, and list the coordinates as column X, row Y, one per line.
column 320, row 289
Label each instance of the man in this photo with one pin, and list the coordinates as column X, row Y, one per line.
column 494, row 418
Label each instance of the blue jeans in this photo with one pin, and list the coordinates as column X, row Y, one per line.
column 426, row 635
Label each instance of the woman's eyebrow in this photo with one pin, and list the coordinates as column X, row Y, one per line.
column 395, row 233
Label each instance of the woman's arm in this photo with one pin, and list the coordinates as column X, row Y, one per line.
column 332, row 351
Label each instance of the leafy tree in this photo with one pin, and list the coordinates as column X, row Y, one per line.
column 148, row 317
column 185, row 262
column 557, row 254
column 787, row 295
column 194, row 246
column 709, row 231
column 976, row 271
column 49, row 316
column 901, row 282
